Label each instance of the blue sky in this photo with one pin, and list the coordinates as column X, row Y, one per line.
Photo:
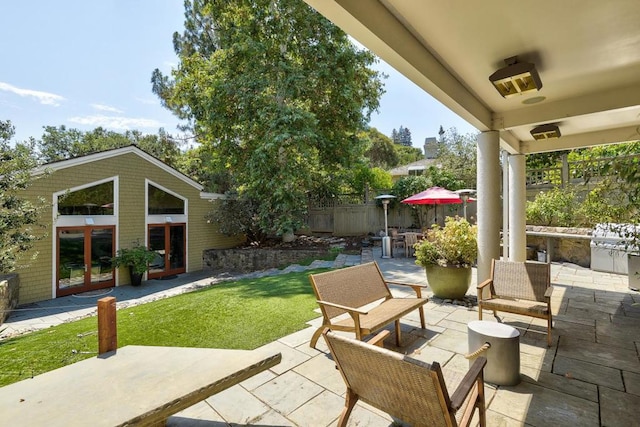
column 85, row 64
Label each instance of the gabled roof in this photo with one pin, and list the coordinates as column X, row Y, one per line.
column 115, row 152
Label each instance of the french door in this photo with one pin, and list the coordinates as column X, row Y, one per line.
column 84, row 259
column 169, row 243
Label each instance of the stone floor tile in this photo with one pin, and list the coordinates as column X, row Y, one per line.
column 599, row 354
column 430, row 354
column 288, row 392
column 290, row 356
column 631, row 382
column 618, row 408
column 595, row 306
column 585, row 332
column 270, row 418
column 451, row 340
column 298, row 338
column 236, row 405
column 560, row 383
column 322, row 370
column 322, row 409
column 496, row 419
column 463, row 315
column 589, row 372
column 540, row 406
column 456, row 326
column 199, row 414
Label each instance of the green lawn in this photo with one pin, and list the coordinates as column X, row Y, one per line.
column 244, row 314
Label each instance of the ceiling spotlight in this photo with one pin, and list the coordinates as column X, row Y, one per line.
column 545, row 132
column 516, row 78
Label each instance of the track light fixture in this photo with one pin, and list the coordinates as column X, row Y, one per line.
column 546, row 131
column 516, row 78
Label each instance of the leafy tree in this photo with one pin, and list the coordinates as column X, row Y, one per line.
column 408, row 186
column 458, row 156
column 380, row 150
column 18, row 215
column 275, row 90
column 60, row 143
column 408, row 155
column 371, row 178
column 401, row 136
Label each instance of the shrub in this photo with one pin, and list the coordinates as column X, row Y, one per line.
column 454, row 244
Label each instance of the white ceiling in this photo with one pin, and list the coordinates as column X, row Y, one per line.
column 587, row 53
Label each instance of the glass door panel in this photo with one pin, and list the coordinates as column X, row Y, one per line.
column 157, row 244
column 101, row 253
column 71, row 258
column 176, row 237
column 168, row 241
column 84, row 259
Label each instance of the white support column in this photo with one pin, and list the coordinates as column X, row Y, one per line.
column 517, row 208
column 488, row 201
column 505, row 205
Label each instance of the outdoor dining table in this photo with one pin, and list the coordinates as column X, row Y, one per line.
column 135, row 385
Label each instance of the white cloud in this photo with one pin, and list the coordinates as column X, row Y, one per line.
column 113, row 122
column 45, row 98
column 107, row 108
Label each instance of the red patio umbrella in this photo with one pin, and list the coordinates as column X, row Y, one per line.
column 434, row 196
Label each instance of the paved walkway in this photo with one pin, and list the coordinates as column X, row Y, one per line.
column 589, row 377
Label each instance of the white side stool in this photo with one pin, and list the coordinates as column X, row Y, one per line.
column 503, row 354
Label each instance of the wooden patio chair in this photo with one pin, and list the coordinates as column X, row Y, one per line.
column 519, row 288
column 405, row 388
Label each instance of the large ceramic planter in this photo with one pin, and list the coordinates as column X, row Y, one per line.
column 448, row 282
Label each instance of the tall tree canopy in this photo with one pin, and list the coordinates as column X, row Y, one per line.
column 458, row 156
column 402, row 136
column 277, row 91
column 60, row 143
column 18, row 215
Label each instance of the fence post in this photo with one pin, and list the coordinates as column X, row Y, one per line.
column 107, row 330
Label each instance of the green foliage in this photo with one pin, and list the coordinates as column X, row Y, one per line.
column 60, row 143
column 408, row 155
column 458, row 156
column 454, row 244
column 244, row 314
column 18, row 215
column 380, row 149
column 277, row 91
column 238, row 215
column 365, row 178
column 552, row 208
column 137, row 257
column 408, row 186
column 401, row 136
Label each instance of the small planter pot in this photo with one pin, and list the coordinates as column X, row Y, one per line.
column 136, row 278
column 449, row 282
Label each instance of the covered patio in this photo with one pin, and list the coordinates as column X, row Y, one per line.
column 563, row 75
column 590, row 376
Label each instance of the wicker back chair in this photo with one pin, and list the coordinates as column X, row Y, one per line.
column 408, row 389
column 520, row 288
column 363, row 293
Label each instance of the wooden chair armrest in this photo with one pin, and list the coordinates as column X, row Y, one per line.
column 548, row 292
column 467, row 383
column 417, row 287
column 484, row 284
column 379, row 338
column 343, row 307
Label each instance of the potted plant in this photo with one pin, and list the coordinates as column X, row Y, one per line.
column 136, row 259
column 447, row 254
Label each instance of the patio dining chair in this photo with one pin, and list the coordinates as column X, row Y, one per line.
column 405, row 388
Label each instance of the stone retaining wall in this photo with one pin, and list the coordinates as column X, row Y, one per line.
column 576, row 251
column 246, row 260
column 9, row 288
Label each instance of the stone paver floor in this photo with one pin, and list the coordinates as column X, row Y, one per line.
column 589, row 377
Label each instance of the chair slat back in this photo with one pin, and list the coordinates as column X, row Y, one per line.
column 403, row 387
column 521, row 280
column 352, row 286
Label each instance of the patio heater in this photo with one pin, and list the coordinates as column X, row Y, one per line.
column 386, row 240
column 464, row 196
